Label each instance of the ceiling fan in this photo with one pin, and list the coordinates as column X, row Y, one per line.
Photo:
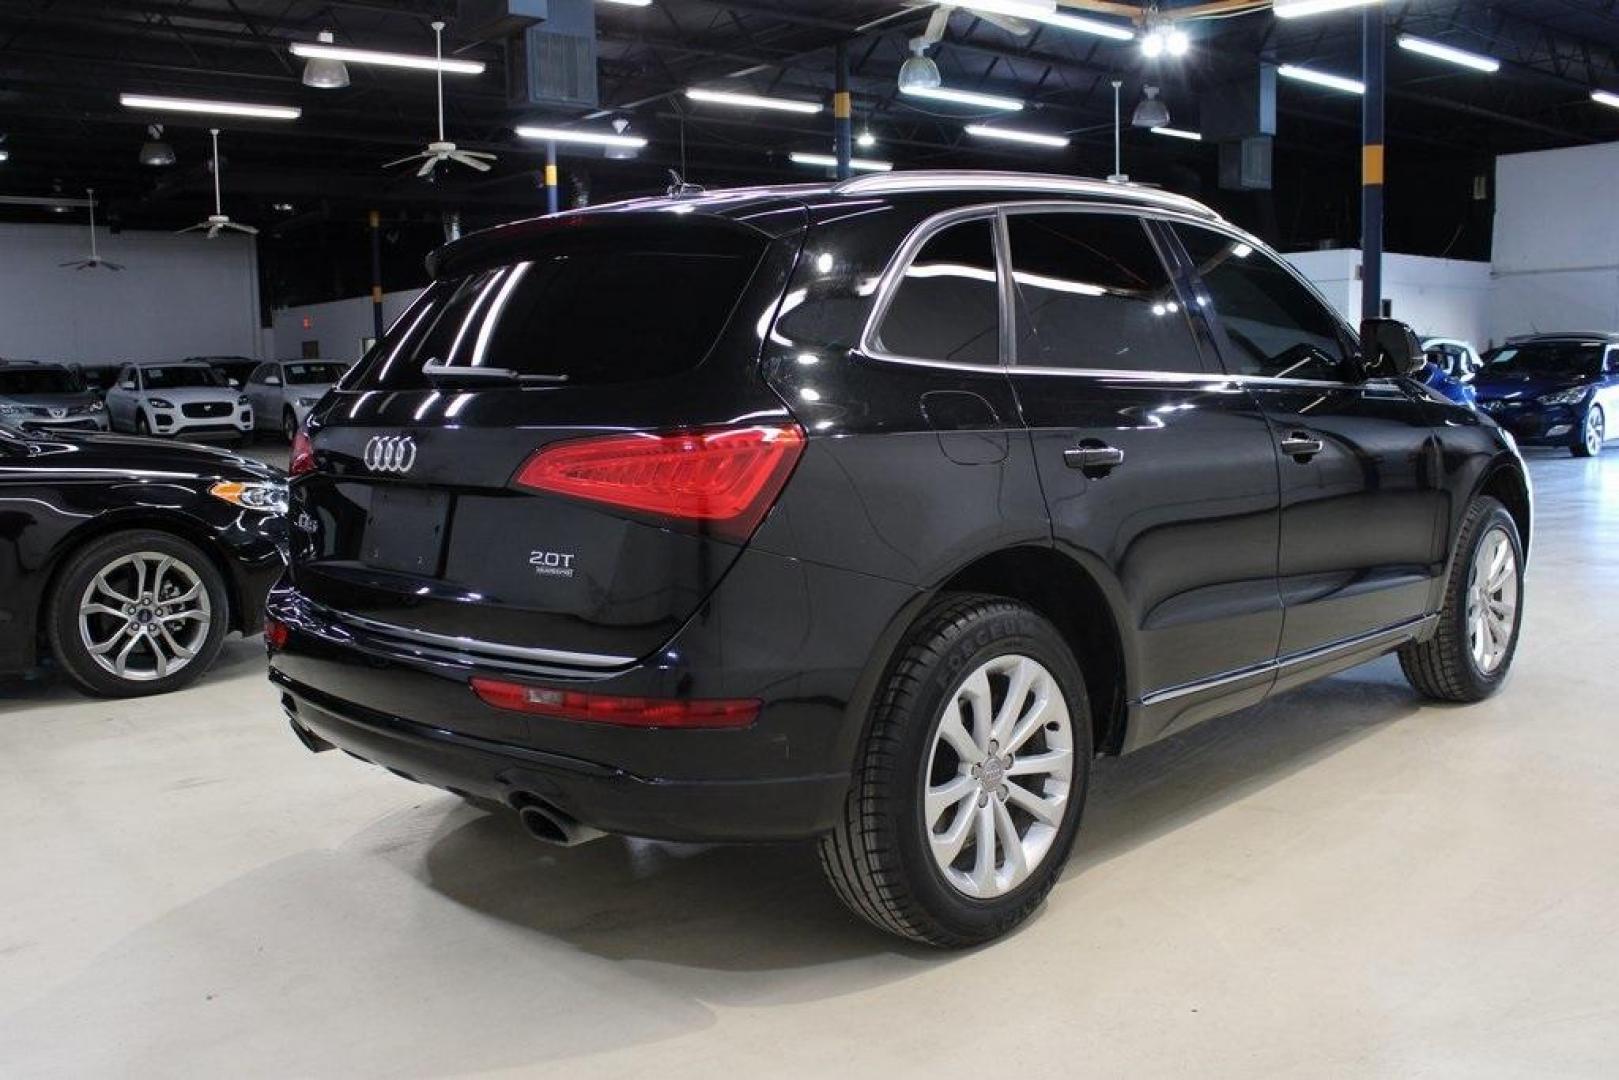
column 443, row 150
column 218, row 220
column 95, row 261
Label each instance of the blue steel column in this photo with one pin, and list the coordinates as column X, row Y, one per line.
column 1371, row 163
column 551, row 200
column 842, row 114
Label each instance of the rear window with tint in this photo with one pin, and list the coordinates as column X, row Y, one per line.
column 589, row 311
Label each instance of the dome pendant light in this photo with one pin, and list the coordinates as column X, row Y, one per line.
column 1151, row 112
column 323, row 73
column 155, row 151
column 919, row 72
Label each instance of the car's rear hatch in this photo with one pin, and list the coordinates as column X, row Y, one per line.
column 430, row 514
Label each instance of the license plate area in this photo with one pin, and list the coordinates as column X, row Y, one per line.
column 404, row 530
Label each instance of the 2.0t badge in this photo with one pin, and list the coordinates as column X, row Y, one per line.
column 390, row 453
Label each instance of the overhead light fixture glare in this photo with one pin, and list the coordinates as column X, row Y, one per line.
column 752, row 101
column 212, row 108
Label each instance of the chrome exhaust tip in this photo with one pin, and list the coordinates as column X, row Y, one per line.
column 548, row 824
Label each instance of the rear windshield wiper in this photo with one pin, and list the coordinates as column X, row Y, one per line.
column 485, row 376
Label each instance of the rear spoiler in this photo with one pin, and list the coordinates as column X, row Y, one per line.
column 673, row 226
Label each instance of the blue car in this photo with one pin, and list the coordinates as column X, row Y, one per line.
column 1437, row 378
column 1553, row 389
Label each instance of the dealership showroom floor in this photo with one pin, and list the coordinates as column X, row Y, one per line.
column 806, row 419
column 1341, row 881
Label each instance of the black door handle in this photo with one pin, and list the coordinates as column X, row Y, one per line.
column 1301, row 446
column 1093, row 457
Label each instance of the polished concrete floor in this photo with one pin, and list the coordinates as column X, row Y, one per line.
column 1341, row 882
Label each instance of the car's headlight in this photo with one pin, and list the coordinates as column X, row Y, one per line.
column 242, row 400
column 97, row 406
column 160, row 403
column 1572, row 396
column 269, row 496
column 10, row 410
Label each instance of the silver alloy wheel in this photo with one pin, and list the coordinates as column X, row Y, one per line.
column 144, row 616
column 999, row 776
column 1595, row 431
column 1492, row 601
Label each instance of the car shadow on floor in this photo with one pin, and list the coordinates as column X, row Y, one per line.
column 48, row 686
column 753, row 908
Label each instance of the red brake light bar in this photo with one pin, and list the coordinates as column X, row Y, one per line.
column 725, row 478
column 615, row 709
column 302, row 458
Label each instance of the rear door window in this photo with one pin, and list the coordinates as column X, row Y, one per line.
column 589, row 311
column 1093, row 294
column 946, row 305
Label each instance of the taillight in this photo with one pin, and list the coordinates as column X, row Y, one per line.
column 302, row 459
column 727, row 479
column 275, row 634
column 616, row 709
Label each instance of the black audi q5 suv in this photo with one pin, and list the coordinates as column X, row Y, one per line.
column 871, row 512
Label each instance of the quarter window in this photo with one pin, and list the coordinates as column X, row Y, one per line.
column 947, row 305
column 1092, row 293
column 1276, row 326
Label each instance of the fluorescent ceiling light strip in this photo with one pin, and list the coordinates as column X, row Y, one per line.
column 1322, row 78
column 1438, row 51
column 1178, row 133
column 1292, row 9
column 752, row 101
column 589, row 138
column 1032, row 138
column 629, row 3
column 1048, row 14
column 1603, row 97
column 221, row 108
column 831, row 162
column 963, row 97
column 310, row 50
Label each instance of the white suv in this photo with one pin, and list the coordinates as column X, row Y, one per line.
column 183, row 399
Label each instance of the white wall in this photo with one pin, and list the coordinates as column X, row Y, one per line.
column 176, row 296
column 1556, row 255
column 340, row 326
column 1438, row 297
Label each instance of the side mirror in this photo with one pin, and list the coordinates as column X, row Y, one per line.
column 1390, row 347
column 236, row 383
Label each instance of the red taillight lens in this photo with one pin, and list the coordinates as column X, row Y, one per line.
column 727, row 478
column 275, row 634
column 302, row 459
column 614, row 709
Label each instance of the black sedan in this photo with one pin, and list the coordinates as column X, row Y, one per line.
column 128, row 560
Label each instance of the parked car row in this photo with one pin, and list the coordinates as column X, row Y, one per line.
column 1555, row 390
column 197, row 398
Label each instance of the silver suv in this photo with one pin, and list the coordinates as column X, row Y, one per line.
column 41, row 396
column 182, row 398
column 283, row 391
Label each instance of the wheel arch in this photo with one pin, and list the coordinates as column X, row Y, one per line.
column 1506, row 482
column 126, row 521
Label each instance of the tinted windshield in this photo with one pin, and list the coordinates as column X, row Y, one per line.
column 1545, row 358
column 18, row 381
column 604, row 309
column 312, row 374
column 171, row 378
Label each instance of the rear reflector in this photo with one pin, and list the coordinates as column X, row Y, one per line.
column 726, row 479
column 612, row 709
column 302, row 458
column 275, row 634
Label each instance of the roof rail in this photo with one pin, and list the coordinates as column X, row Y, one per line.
column 987, row 180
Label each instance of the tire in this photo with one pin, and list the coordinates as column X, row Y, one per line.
column 881, row 857
column 289, row 425
column 1448, row 666
column 1593, row 433
column 186, row 576
column 141, row 426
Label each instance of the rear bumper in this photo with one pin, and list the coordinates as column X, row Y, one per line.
column 800, row 638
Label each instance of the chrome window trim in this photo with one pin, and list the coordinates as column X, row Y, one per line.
column 1408, row 628
column 888, row 283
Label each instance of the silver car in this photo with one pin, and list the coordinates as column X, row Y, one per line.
column 51, row 397
column 283, row 391
column 184, row 399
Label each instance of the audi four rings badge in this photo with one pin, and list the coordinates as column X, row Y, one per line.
column 390, row 453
